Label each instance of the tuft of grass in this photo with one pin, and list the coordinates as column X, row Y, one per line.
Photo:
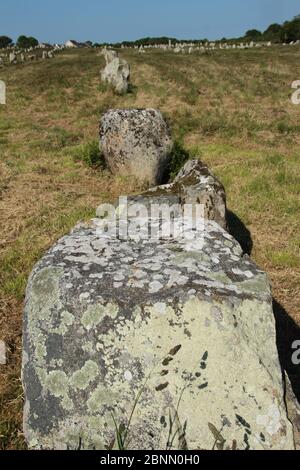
column 178, row 158
column 284, row 259
column 89, row 153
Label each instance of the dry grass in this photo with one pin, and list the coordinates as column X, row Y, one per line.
column 230, row 108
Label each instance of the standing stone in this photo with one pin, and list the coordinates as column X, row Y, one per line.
column 194, row 184
column 136, row 142
column 12, row 58
column 2, row 353
column 117, row 74
column 2, row 92
column 293, row 409
column 109, row 55
column 186, row 325
column 197, row 185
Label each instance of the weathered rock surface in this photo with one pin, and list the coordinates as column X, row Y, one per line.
column 194, row 184
column 136, row 142
column 13, row 58
column 109, row 55
column 2, row 92
column 116, row 72
column 197, row 185
column 293, row 408
column 189, row 327
column 2, row 353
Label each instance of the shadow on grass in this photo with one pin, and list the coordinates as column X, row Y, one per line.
column 240, row 232
column 287, row 331
column 132, row 89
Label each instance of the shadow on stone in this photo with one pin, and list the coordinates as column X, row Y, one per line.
column 240, row 232
column 287, row 332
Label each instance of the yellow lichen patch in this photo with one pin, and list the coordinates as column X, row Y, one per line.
column 82, row 378
column 95, row 314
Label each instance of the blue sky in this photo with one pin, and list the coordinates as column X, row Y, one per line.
column 118, row 20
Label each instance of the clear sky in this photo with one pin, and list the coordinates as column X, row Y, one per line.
column 118, row 20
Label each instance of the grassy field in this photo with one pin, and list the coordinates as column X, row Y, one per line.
column 230, row 108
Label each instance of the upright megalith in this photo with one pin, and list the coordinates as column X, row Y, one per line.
column 12, row 58
column 136, row 142
column 116, row 72
column 177, row 321
column 109, row 55
column 194, row 184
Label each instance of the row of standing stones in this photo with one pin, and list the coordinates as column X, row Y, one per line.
column 172, row 339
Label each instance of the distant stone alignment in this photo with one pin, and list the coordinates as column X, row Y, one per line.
column 185, row 325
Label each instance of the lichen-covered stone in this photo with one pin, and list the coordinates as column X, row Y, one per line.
column 116, row 73
column 194, row 184
column 293, row 409
column 136, row 142
column 109, row 55
column 188, row 331
column 197, row 185
column 2, row 353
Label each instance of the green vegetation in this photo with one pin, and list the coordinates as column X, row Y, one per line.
column 5, row 41
column 89, row 153
column 178, row 157
column 287, row 32
column 25, row 42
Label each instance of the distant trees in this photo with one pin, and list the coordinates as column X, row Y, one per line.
column 5, row 41
column 25, row 42
column 253, row 34
column 290, row 30
column 273, row 31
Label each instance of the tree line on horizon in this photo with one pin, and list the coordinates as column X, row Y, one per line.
column 23, row 42
column 277, row 33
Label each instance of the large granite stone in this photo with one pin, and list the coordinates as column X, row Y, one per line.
column 136, row 142
column 185, row 330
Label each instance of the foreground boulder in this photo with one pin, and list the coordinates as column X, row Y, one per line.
column 116, row 72
column 183, row 327
column 136, row 142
